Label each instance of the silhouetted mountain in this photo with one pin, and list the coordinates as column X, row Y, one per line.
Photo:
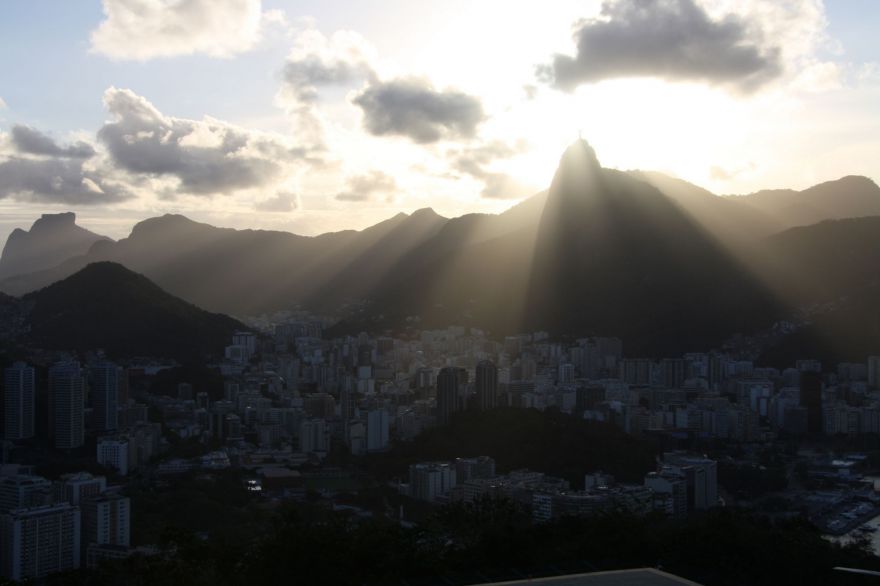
column 610, row 255
column 642, row 255
column 849, row 197
column 726, row 219
column 248, row 271
column 616, row 255
column 51, row 240
column 108, row 306
column 831, row 271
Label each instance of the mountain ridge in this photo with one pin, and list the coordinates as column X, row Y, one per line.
column 107, row 306
column 614, row 253
column 51, row 239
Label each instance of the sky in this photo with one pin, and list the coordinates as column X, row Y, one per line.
column 315, row 116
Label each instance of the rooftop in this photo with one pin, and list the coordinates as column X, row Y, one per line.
column 637, row 577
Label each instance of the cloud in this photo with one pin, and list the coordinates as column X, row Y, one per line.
column 504, row 186
column 57, row 180
column 475, row 161
column 145, row 29
column 3, row 104
column 206, row 156
column 719, row 173
column 282, row 202
column 366, row 187
column 31, row 141
column 676, row 40
column 411, row 107
column 316, row 62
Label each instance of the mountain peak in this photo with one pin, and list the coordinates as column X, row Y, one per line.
column 164, row 224
column 580, row 154
column 52, row 239
column 425, row 213
column 579, row 173
column 106, row 305
column 50, row 221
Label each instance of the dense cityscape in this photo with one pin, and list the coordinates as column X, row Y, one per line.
column 293, row 412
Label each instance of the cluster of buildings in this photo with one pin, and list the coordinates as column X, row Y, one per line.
column 681, row 484
column 48, row 527
column 364, row 390
column 289, row 395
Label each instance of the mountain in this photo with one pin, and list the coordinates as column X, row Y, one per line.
column 729, row 221
column 107, row 306
column 663, row 263
column 609, row 255
column 251, row 271
column 51, row 240
column 831, row 272
column 848, row 197
column 738, row 220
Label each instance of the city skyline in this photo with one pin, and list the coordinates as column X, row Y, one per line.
column 306, row 89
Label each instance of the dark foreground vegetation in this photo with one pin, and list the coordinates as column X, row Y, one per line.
column 487, row 541
column 549, row 441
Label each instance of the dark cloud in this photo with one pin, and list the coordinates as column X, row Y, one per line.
column 412, row 108
column 31, row 141
column 206, row 156
column 282, row 202
column 56, row 180
column 367, row 187
column 669, row 39
column 305, row 74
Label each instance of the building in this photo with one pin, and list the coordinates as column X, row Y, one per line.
column 106, row 520
column 74, row 488
column 113, row 452
column 39, row 541
column 451, row 384
column 104, row 395
column 473, row 468
column 66, row 405
column 565, row 373
column 247, row 341
column 378, row 424
column 811, row 400
column 18, row 401
column 486, row 385
column 313, row 436
column 672, row 488
column 22, row 491
column 428, row 481
column 701, row 475
column 874, row 372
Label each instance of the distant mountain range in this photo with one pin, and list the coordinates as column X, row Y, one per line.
column 107, row 306
column 666, row 265
column 51, row 240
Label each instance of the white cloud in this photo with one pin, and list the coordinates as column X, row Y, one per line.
column 146, row 29
column 316, row 61
column 2, row 104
